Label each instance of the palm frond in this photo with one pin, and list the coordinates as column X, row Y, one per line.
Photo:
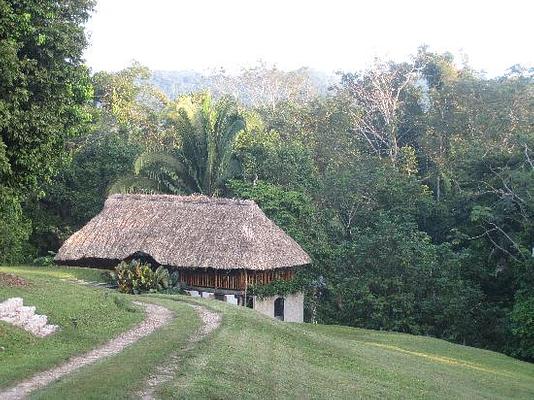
column 134, row 184
column 148, row 159
column 204, row 159
column 169, row 167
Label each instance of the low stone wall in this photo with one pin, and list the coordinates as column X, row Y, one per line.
column 14, row 312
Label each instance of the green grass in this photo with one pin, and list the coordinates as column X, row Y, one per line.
column 254, row 357
column 87, row 317
column 54, row 273
column 120, row 377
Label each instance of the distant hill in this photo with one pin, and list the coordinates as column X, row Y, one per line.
column 176, row 83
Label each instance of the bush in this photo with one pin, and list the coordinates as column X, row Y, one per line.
column 136, row 277
column 45, row 261
column 523, row 326
column 15, row 230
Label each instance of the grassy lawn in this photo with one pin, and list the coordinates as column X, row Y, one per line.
column 54, row 273
column 255, row 357
column 120, row 377
column 249, row 357
column 87, row 317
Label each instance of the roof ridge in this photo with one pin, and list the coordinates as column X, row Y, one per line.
column 199, row 199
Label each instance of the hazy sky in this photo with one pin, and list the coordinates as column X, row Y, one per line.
column 326, row 35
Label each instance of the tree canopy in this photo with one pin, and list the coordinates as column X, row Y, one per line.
column 44, row 93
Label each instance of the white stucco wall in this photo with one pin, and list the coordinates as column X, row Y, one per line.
column 293, row 306
column 265, row 305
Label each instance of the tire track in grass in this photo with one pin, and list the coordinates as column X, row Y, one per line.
column 156, row 317
column 166, row 372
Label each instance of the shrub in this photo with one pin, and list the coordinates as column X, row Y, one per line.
column 15, row 230
column 45, row 261
column 137, row 277
column 278, row 288
column 523, row 326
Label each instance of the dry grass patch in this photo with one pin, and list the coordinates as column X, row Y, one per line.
column 10, row 280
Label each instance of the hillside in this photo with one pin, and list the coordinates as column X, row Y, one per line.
column 177, row 83
column 248, row 356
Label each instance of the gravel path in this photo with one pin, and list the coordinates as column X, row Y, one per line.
column 156, row 317
column 166, row 371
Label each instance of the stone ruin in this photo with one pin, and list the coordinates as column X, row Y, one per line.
column 14, row 312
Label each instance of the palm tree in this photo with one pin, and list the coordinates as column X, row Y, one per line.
column 203, row 160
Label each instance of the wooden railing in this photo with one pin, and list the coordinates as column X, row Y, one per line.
column 231, row 279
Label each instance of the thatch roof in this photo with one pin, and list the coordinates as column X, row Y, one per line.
column 182, row 231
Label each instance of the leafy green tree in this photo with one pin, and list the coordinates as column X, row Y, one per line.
column 390, row 276
column 476, row 156
column 522, row 318
column 290, row 209
column 44, row 87
column 264, row 155
column 15, row 230
column 442, row 122
column 129, row 105
column 44, row 91
column 78, row 192
column 360, row 190
column 323, row 127
column 202, row 161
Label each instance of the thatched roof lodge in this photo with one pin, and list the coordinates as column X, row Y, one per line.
column 221, row 245
column 183, row 232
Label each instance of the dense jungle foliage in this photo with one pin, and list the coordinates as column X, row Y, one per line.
column 410, row 184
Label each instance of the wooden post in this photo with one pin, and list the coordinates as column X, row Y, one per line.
column 246, row 285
